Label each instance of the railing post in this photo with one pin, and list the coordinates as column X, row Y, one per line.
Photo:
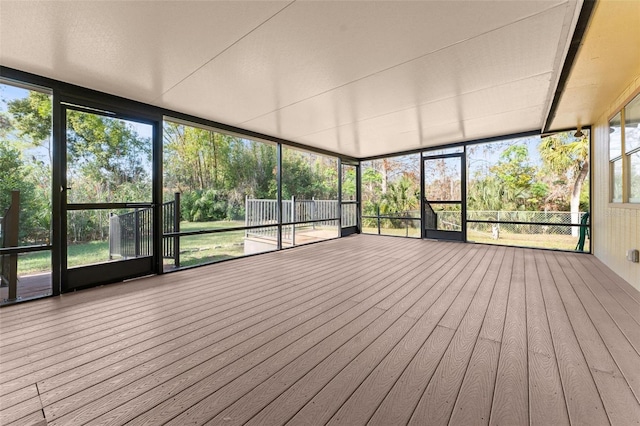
column 111, row 247
column 293, row 219
column 11, row 240
column 378, row 210
column 246, row 215
column 406, row 222
column 313, row 212
column 136, row 232
column 176, row 228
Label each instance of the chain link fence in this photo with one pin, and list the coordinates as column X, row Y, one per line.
column 552, row 223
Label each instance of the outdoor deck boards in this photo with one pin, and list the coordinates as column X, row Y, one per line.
column 359, row 330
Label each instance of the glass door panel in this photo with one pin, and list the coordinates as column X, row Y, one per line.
column 107, row 202
column 443, row 197
column 349, row 204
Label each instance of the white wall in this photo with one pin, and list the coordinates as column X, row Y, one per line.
column 616, row 227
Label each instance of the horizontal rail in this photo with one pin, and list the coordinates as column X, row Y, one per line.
column 106, row 206
column 216, row 231
column 25, row 249
column 302, row 222
column 391, row 217
column 526, row 223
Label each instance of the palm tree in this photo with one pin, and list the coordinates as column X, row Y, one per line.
column 566, row 155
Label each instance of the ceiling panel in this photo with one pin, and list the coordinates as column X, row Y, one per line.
column 135, row 49
column 513, row 53
column 314, row 47
column 435, row 123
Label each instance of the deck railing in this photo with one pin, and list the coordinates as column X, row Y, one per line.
column 296, row 215
column 9, row 231
column 131, row 233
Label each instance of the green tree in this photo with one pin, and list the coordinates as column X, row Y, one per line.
column 568, row 157
column 16, row 176
column 402, row 197
column 106, row 158
column 516, row 176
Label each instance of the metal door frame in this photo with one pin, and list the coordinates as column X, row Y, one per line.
column 109, row 272
column 439, row 234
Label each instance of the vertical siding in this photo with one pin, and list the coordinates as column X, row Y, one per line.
column 616, row 228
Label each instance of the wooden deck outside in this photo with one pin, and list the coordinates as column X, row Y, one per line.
column 364, row 329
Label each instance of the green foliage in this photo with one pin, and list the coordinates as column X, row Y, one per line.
column 107, row 160
column 32, row 117
column 203, row 205
column 34, row 209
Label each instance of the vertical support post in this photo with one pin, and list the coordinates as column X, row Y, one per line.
column 293, row 219
column 279, row 192
column 423, row 207
column 58, row 196
column 359, row 197
column 157, row 196
column 176, row 228
column 463, row 194
column 11, row 240
column 313, row 212
column 339, row 212
column 378, row 215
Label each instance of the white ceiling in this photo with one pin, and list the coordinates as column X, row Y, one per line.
column 361, row 78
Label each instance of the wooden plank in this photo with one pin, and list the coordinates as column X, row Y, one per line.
column 34, row 419
column 326, row 402
column 318, row 373
column 621, row 350
column 546, row 398
column 121, row 292
column 401, row 400
column 235, row 335
column 493, row 325
column 583, row 400
column 281, row 409
column 473, row 404
column 151, row 361
column 437, row 402
column 18, row 396
column 618, row 399
column 209, row 406
column 194, row 326
column 511, row 397
column 633, row 292
column 133, row 400
column 181, row 337
column 22, row 315
column 131, row 325
column 17, row 412
column 622, row 296
column 623, row 319
column 141, row 307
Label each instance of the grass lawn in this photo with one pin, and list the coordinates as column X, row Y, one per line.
column 197, row 249
column 561, row 242
column 78, row 254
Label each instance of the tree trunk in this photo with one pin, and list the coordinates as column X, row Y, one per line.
column 575, row 198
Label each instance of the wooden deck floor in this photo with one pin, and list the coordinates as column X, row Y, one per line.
column 359, row 330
